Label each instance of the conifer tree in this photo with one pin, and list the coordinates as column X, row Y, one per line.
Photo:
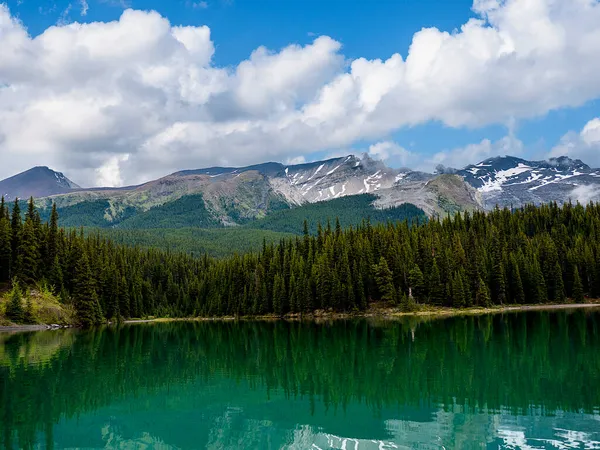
column 85, row 298
column 15, row 225
column 578, row 295
column 559, row 287
column 28, row 314
column 417, row 284
column 458, row 292
column 517, row 293
column 28, row 254
column 385, row 281
column 14, row 308
column 5, row 249
column 482, row 296
column 437, row 290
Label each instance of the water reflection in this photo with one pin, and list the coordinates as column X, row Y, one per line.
column 525, row 380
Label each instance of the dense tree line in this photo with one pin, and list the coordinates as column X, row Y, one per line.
column 532, row 255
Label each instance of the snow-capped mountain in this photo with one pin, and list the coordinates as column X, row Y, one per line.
column 506, row 181
column 36, row 182
column 321, row 180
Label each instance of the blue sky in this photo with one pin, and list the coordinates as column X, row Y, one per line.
column 370, row 30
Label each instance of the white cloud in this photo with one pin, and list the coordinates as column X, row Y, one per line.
column 84, row 7
column 473, row 153
column 586, row 193
column 109, row 174
column 296, row 160
column 393, row 153
column 79, row 95
column 584, row 145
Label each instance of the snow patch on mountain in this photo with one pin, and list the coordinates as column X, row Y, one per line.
column 510, row 181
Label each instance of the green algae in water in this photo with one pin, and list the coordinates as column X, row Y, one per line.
column 521, row 380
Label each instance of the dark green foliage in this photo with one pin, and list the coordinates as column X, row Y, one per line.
column 219, row 242
column 471, row 259
column 85, row 298
column 14, row 308
column 188, row 211
column 384, row 280
column 416, row 284
column 351, row 210
column 578, row 295
column 88, row 214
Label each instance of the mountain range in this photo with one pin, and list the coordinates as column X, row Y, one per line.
column 225, row 196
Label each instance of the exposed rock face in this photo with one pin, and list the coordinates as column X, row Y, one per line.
column 36, row 182
column 236, row 195
column 506, row 181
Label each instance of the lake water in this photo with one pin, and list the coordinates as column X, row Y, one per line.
column 515, row 381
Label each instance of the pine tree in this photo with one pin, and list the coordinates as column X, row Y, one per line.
column 559, row 286
column 85, row 298
column 540, row 292
column 14, row 308
column 458, row 291
column 498, row 284
column 28, row 314
column 15, row 225
column 385, row 281
column 517, row 292
column 5, row 249
column 417, row 284
column 482, row 296
column 437, row 290
column 577, row 287
column 28, row 254
column 278, row 295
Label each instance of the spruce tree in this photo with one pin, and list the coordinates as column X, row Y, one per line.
column 15, row 225
column 5, row 249
column 385, row 281
column 577, row 287
column 14, row 308
column 559, row 286
column 482, row 296
column 437, row 290
column 28, row 314
column 28, row 254
column 416, row 284
column 85, row 298
column 458, row 291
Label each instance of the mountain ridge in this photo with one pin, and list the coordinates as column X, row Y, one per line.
column 39, row 181
column 232, row 196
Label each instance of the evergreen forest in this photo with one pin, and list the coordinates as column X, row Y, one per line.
column 532, row 255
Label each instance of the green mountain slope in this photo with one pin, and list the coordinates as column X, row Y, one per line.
column 195, row 241
column 350, row 210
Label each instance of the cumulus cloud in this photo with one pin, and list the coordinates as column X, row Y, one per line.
column 79, row 97
column 472, row 153
column 584, row 145
column 393, row 153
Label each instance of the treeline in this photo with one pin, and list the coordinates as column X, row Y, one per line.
column 532, row 255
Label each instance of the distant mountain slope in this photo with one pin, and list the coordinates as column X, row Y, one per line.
column 36, row 182
column 506, row 181
column 225, row 196
column 350, row 211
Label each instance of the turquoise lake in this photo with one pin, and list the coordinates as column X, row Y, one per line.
column 528, row 380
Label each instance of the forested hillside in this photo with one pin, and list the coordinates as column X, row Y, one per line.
column 532, row 255
column 215, row 242
column 351, row 210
